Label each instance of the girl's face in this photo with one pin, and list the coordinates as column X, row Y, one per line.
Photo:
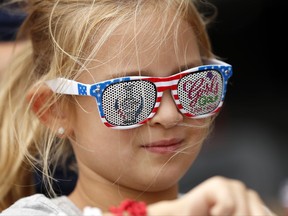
column 156, row 155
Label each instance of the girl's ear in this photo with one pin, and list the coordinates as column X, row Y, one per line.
column 49, row 110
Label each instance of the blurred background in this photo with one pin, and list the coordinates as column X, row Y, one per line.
column 250, row 138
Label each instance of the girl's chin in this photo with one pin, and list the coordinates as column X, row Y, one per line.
column 157, row 184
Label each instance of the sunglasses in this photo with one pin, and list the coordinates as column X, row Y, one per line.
column 129, row 102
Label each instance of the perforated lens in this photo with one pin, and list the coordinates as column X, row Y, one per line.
column 200, row 92
column 128, row 103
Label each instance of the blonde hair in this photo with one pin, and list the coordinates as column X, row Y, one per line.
column 59, row 36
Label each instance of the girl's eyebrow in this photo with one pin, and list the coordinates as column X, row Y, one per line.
column 150, row 73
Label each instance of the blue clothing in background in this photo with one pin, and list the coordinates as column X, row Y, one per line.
column 9, row 24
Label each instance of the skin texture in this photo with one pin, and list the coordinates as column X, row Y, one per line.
column 115, row 160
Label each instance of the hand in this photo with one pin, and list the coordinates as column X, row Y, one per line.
column 215, row 196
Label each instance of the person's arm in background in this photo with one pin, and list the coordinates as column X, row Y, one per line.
column 8, row 49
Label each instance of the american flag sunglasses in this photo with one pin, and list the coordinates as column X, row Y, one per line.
column 129, row 102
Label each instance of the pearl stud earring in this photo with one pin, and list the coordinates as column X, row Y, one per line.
column 61, row 131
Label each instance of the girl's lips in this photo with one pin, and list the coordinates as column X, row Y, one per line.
column 164, row 146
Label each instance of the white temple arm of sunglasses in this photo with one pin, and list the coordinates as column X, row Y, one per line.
column 65, row 86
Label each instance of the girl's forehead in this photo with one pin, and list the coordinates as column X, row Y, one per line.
column 146, row 45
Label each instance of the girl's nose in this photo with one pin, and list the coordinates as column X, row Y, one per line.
column 167, row 114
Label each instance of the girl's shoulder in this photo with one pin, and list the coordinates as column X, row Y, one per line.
column 39, row 204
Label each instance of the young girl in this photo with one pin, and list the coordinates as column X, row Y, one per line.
column 131, row 88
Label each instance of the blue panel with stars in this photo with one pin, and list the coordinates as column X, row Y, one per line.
column 82, row 89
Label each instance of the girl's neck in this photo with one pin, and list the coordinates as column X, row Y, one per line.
column 103, row 196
